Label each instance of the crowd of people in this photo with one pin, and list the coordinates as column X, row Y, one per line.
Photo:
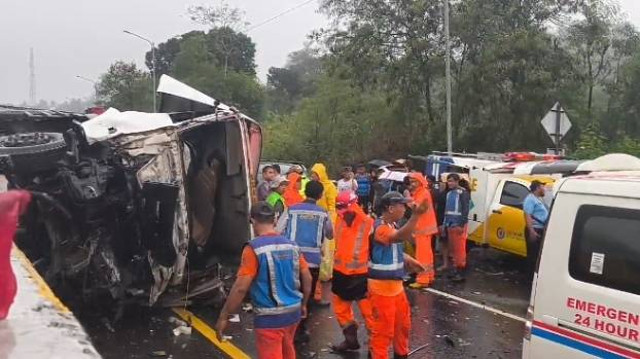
column 354, row 238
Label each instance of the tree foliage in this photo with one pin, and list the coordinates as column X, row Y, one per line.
column 126, row 87
column 372, row 84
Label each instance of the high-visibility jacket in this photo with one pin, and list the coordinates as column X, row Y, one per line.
column 306, row 227
column 275, row 292
column 386, row 261
column 457, row 208
column 352, row 243
column 427, row 223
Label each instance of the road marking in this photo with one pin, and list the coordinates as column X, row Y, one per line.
column 43, row 287
column 227, row 347
column 477, row 305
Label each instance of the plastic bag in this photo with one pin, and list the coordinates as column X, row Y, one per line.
column 328, row 254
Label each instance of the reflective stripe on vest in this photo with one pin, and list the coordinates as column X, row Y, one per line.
column 275, row 291
column 456, row 204
column 306, row 228
column 357, row 263
column 386, row 261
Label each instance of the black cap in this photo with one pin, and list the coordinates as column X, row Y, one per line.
column 392, row 198
column 535, row 185
column 262, row 210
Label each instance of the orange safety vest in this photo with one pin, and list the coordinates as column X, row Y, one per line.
column 427, row 223
column 352, row 245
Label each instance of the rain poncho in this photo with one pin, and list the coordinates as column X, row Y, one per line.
column 291, row 195
column 328, row 202
column 328, row 199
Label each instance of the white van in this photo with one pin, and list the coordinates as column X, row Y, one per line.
column 585, row 300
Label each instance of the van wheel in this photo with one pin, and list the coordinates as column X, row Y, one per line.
column 34, row 151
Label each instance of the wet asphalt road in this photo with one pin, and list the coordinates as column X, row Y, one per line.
column 442, row 324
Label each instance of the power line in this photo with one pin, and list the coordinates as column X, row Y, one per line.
column 275, row 17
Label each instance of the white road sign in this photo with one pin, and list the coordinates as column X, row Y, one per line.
column 550, row 125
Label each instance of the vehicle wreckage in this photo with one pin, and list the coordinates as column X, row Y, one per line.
column 143, row 206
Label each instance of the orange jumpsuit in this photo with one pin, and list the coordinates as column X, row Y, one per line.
column 391, row 310
column 351, row 267
column 426, row 227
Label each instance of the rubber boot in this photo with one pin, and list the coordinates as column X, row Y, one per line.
column 398, row 356
column 350, row 339
column 459, row 275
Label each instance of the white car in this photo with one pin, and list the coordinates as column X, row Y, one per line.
column 585, row 300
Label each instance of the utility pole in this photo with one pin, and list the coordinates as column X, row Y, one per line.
column 153, row 63
column 448, row 77
column 32, row 79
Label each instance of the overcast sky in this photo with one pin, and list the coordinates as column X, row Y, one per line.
column 82, row 37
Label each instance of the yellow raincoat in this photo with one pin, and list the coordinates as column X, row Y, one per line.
column 328, row 199
column 328, row 202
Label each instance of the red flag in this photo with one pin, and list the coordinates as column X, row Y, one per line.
column 12, row 205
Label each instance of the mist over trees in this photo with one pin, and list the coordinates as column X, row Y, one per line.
column 372, row 84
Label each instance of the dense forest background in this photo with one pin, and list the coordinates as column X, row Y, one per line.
column 372, row 84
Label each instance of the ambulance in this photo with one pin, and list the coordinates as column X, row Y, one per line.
column 499, row 184
column 585, row 299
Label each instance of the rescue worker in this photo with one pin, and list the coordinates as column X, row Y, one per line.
column 268, row 175
column 349, row 284
column 298, row 169
column 275, row 199
column 426, row 228
column 292, row 194
column 536, row 216
column 307, row 224
column 391, row 311
column 456, row 216
column 277, row 301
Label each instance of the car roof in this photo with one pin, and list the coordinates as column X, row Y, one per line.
column 615, row 184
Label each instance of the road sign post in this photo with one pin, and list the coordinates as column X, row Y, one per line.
column 557, row 124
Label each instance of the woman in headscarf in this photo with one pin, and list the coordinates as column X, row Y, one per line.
column 292, row 194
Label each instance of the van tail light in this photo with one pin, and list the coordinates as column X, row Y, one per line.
column 529, row 323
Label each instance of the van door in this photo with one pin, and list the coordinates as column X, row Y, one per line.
column 505, row 229
column 587, row 297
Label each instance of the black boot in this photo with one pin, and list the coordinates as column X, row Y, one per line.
column 459, row 275
column 350, row 339
column 302, row 334
column 398, row 356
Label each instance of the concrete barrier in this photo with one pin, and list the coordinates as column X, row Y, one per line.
column 39, row 325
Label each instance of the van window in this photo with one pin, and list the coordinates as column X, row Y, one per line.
column 605, row 248
column 513, row 194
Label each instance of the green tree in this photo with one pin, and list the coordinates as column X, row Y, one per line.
column 591, row 144
column 126, row 87
column 287, row 86
column 235, row 50
column 198, row 67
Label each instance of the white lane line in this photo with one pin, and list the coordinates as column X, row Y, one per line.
column 477, row 305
